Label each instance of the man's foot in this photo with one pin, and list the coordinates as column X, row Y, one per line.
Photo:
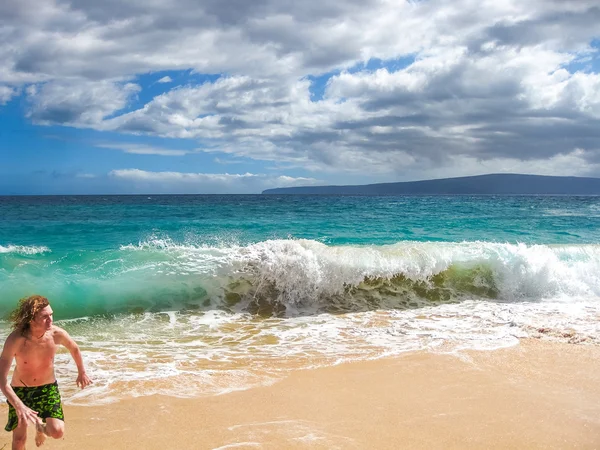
column 40, row 434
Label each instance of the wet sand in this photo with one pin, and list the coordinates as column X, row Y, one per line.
column 533, row 396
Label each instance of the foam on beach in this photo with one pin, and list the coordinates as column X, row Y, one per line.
column 187, row 320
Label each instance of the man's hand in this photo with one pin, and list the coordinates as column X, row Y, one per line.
column 25, row 414
column 83, row 380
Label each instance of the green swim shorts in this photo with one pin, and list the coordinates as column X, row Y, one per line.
column 44, row 399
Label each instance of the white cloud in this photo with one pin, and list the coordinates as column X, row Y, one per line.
column 578, row 162
column 180, row 182
column 6, row 93
column 139, row 149
column 78, row 103
column 480, row 82
column 226, row 162
column 79, row 39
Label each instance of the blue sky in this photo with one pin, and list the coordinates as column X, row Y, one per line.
column 188, row 97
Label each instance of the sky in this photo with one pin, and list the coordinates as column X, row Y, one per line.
column 238, row 96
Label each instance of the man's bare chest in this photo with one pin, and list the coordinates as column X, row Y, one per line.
column 36, row 353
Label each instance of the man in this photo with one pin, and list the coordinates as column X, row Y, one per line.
column 32, row 394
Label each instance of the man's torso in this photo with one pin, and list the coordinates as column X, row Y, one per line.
column 35, row 360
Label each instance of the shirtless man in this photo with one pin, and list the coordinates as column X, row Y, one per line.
column 33, row 392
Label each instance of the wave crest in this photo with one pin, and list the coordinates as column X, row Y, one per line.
column 304, row 274
column 24, row 250
column 288, row 277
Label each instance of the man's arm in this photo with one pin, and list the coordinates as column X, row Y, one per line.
column 9, row 350
column 64, row 339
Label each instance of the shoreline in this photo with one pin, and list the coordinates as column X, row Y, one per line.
column 538, row 394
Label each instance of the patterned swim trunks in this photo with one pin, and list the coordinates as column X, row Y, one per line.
column 44, row 399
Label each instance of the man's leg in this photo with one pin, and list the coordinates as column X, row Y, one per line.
column 19, row 437
column 49, row 404
column 55, row 428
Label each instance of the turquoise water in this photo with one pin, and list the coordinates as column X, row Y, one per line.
column 239, row 284
column 100, row 223
column 103, row 254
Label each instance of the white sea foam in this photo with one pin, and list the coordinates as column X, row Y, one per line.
column 24, row 250
column 305, row 269
column 199, row 354
column 547, row 292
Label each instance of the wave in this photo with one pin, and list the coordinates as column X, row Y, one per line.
column 291, row 277
column 24, row 250
column 299, row 274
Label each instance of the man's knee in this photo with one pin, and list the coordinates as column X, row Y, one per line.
column 55, row 428
column 20, row 439
column 57, row 434
column 20, row 436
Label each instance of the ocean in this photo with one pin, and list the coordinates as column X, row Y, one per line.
column 198, row 295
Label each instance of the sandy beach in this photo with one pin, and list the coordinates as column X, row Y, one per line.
column 535, row 395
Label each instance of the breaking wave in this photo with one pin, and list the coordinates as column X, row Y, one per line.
column 291, row 277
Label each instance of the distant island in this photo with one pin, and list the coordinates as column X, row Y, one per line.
column 482, row 184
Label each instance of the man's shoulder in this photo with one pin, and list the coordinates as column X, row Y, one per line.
column 57, row 331
column 15, row 336
column 13, row 340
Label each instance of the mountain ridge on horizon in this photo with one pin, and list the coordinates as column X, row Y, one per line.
column 495, row 183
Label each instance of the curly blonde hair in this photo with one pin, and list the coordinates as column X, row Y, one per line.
column 26, row 311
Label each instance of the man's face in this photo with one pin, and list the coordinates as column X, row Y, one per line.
column 43, row 318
